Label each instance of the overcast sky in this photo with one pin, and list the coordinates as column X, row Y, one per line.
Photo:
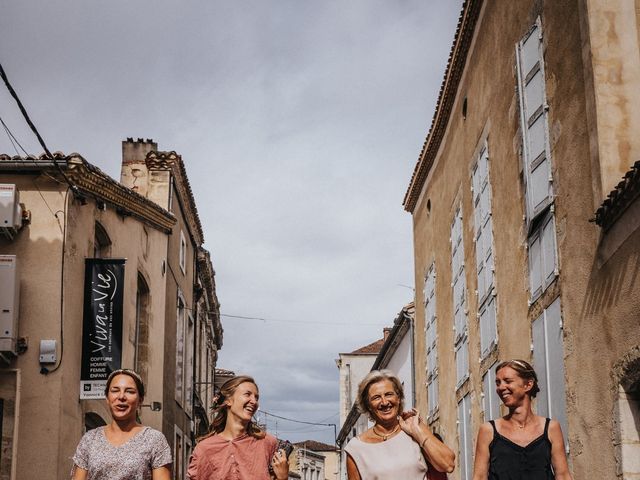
column 300, row 123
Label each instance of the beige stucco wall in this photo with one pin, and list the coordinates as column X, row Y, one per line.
column 598, row 284
column 615, row 63
column 52, row 416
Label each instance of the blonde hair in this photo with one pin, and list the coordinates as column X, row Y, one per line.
column 220, row 409
column 375, row 376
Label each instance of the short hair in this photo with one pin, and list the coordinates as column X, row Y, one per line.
column 375, row 376
column 524, row 371
column 130, row 373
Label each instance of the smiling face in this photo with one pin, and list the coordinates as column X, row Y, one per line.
column 510, row 387
column 384, row 402
column 243, row 404
column 123, row 398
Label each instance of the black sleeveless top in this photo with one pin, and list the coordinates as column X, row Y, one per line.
column 510, row 461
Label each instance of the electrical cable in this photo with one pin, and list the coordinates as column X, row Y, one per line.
column 13, row 93
column 44, row 370
column 242, row 317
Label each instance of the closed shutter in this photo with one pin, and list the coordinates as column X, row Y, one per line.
column 490, row 400
column 534, row 122
column 462, row 361
column 465, row 438
column 548, row 359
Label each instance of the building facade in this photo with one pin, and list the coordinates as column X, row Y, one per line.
column 533, row 131
column 72, row 213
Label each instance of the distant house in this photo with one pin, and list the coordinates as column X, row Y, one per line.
column 313, row 460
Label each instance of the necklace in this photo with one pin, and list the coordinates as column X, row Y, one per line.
column 385, row 436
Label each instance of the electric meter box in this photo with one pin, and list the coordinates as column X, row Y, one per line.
column 10, row 210
column 9, row 301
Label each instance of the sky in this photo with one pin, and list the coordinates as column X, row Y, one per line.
column 299, row 122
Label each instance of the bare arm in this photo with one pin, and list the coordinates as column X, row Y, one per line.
column 352, row 469
column 78, row 473
column 162, row 473
column 436, row 452
column 558, row 455
column 481, row 463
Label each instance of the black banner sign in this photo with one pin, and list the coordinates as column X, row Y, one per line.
column 101, row 325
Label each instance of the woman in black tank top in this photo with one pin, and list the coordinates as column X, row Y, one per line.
column 520, row 445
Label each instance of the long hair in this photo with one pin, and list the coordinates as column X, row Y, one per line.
column 524, row 371
column 220, row 409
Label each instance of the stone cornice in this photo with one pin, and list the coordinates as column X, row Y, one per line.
column 93, row 182
column 446, row 98
column 173, row 162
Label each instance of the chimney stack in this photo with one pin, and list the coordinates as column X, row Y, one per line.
column 134, row 173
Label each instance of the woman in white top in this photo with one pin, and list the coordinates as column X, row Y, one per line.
column 399, row 444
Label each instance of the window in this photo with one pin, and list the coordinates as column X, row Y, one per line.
column 141, row 351
column 459, row 287
column 490, row 400
column 548, row 361
column 180, row 324
column 536, row 155
column 534, row 122
column 431, row 337
column 543, row 266
column 188, row 366
column 465, row 438
column 178, row 450
column 101, row 242
column 188, row 448
column 484, row 253
column 183, row 253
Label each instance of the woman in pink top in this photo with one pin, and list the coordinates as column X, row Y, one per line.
column 235, row 448
column 399, row 445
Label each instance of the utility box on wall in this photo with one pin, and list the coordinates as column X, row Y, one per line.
column 10, row 211
column 9, row 301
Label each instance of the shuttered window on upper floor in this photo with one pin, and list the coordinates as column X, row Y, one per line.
column 431, row 337
column 534, row 123
column 483, row 238
column 536, row 155
column 458, row 287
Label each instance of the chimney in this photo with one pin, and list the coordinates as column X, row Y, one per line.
column 386, row 331
column 135, row 151
column 134, row 173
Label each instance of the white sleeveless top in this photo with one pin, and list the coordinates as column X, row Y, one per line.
column 397, row 458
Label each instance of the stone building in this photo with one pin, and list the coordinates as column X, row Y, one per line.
column 71, row 214
column 526, row 241
column 313, row 460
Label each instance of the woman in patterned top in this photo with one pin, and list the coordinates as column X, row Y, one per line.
column 235, row 448
column 124, row 449
column 521, row 445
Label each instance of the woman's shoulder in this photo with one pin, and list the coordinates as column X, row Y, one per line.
column 153, row 434
column 93, row 435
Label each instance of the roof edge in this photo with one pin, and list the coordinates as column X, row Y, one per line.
column 444, row 106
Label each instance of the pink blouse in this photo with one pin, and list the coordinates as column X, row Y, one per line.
column 244, row 458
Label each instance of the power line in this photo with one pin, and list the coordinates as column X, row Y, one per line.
column 297, row 421
column 13, row 93
column 242, row 317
